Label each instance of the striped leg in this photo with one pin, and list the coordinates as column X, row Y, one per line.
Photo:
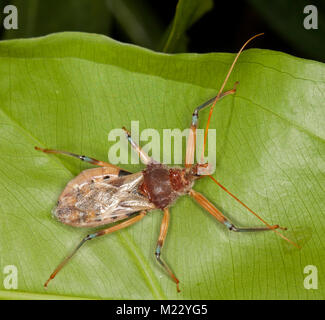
column 207, row 205
column 160, row 243
column 115, row 169
column 143, row 155
column 190, row 148
column 119, row 226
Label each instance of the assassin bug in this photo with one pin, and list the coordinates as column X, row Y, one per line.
column 108, row 194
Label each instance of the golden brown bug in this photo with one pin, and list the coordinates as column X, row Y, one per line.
column 107, row 194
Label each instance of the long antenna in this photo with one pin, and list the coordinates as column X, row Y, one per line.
column 205, row 138
column 221, row 89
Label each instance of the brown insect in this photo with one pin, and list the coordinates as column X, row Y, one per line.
column 108, row 194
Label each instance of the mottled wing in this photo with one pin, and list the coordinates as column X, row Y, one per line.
column 96, row 198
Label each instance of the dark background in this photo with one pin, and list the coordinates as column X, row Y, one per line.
column 224, row 28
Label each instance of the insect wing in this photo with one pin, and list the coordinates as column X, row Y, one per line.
column 95, row 198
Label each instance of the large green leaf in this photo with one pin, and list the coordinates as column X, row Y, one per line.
column 68, row 90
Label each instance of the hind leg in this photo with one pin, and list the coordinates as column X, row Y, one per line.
column 91, row 236
column 115, row 169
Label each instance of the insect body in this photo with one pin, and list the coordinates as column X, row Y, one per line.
column 108, row 194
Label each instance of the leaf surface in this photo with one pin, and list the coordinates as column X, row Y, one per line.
column 68, row 90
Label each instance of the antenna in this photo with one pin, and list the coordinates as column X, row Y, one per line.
column 221, row 89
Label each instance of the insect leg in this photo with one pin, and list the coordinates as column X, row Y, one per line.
column 143, row 155
column 190, row 148
column 115, row 169
column 207, row 205
column 120, row 226
column 160, row 243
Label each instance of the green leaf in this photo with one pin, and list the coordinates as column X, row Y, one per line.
column 187, row 13
column 68, row 90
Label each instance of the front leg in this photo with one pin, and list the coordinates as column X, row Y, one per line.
column 190, row 148
column 143, row 155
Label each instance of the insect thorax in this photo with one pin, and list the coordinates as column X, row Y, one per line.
column 163, row 185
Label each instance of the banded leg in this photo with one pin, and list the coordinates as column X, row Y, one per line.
column 207, row 205
column 115, row 169
column 143, row 155
column 120, row 226
column 160, row 243
column 190, row 148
